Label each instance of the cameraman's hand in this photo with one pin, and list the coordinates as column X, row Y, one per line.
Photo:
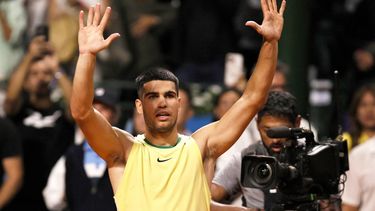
column 90, row 37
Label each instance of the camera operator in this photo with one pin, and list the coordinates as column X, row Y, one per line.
column 279, row 111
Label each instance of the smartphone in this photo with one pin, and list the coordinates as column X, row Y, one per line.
column 42, row 30
column 234, row 68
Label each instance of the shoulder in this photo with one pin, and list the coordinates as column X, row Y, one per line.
column 364, row 149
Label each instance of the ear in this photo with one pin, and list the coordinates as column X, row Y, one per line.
column 297, row 123
column 138, row 106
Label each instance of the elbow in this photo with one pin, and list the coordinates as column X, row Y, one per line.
column 256, row 101
column 79, row 112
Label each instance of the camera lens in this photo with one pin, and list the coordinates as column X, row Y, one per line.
column 262, row 173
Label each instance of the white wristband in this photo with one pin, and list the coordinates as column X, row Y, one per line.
column 58, row 75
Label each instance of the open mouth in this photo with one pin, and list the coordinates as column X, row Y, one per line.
column 162, row 116
column 277, row 147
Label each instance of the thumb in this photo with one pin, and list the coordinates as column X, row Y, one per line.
column 111, row 38
column 253, row 25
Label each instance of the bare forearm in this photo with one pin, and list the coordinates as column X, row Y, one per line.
column 83, row 85
column 346, row 207
column 13, row 170
column 261, row 78
column 15, row 85
column 7, row 31
column 8, row 190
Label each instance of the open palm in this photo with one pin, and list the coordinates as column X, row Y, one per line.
column 90, row 37
column 273, row 20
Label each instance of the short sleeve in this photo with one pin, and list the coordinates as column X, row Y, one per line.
column 229, row 175
column 352, row 188
column 10, row 143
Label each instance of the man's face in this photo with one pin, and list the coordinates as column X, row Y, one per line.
column 39, row 78
column 185, row 111
column 159, row 104
column 278, row 81
column 274, row 145
column 225, row 103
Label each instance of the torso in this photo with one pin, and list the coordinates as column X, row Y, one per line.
column 162, row 178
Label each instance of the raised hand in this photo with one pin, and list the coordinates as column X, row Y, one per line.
column 273, row 20
column 90, row 37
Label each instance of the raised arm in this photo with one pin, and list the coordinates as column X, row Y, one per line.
column 105, row 140
column 216, row 138
column 12, row 103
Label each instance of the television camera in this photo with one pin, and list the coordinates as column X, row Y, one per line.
column 302, row 174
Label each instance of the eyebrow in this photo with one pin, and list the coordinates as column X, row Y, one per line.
column 156, row 93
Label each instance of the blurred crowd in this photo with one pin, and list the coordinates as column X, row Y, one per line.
column 46, row 163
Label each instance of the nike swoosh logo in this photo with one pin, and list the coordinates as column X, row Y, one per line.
column 159, row 160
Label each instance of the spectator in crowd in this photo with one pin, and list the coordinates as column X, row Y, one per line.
column 186, row 110
column 135, row 125
column 45, row 126
column 359, row 191
column 79, row 180
column 279, row 111
column 153, row 177
column 11, row 170
column 361, row 116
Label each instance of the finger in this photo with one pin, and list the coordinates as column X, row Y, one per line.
column 96, row 15
column 253, row 25
column 104, row 21
column 111, row 38
column 282, row 7
column 264, row 6
column 269, row 4
column 81, row 15
column 274, row 5
column 90, row 16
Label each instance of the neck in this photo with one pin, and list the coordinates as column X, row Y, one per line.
column 162, row 139
column 370, row 132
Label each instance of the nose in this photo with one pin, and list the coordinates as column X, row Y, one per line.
column 276, row 140
column 162, row 102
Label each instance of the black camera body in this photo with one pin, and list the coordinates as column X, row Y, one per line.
column 302, row 173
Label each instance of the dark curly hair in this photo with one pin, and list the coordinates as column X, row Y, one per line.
column 280, row 104
column 153, row 74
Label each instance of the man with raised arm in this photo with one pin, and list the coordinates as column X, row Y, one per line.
column 161, row 169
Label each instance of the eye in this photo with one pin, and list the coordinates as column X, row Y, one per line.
column 152, row 96
column 170, row 95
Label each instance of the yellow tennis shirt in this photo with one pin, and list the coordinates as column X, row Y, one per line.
column 158, row 178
